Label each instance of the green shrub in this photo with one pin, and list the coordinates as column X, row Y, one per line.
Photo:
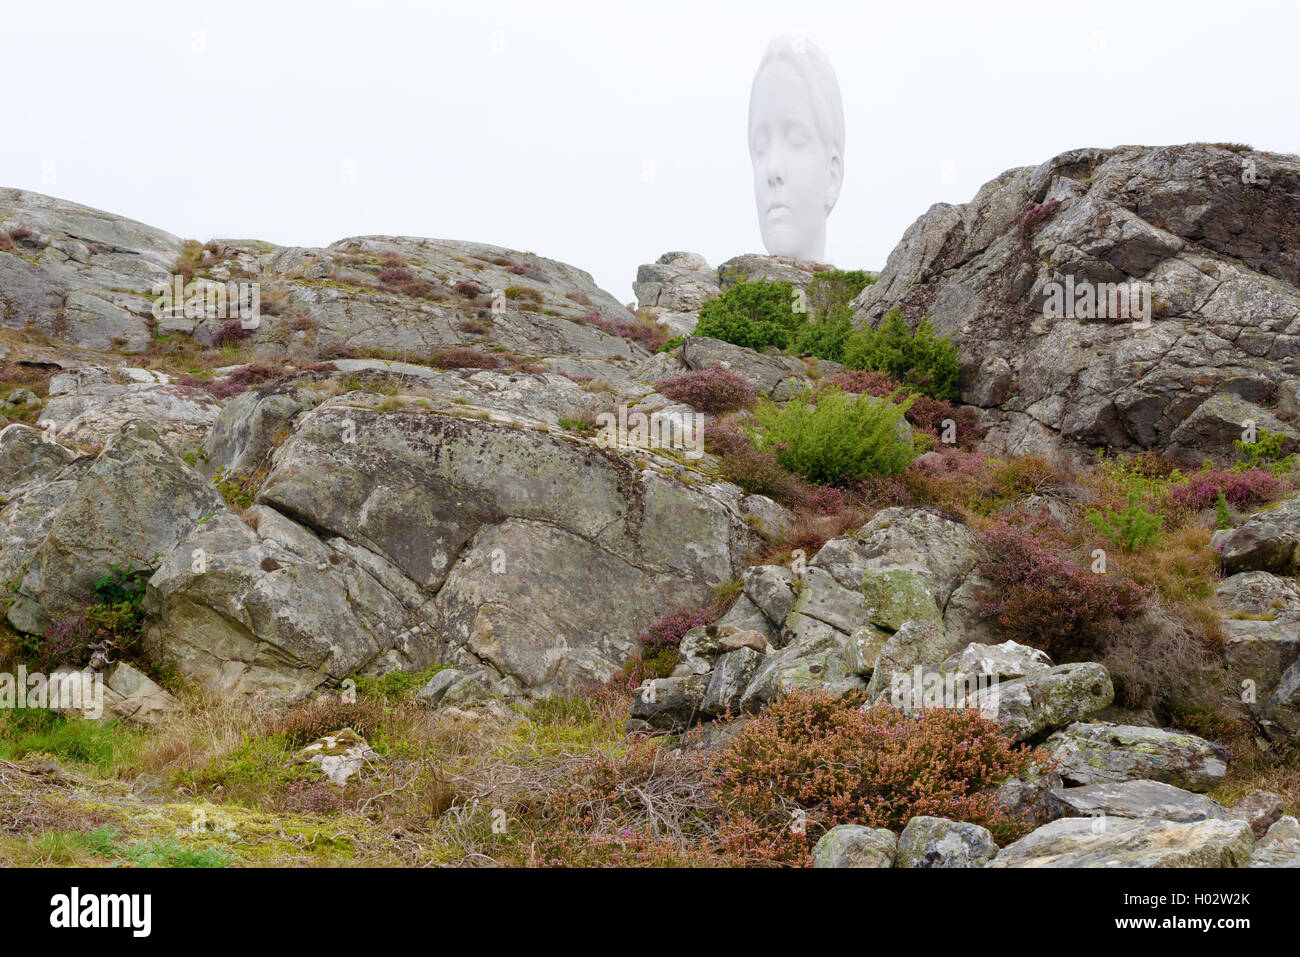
column 395, row 687
column 831, row 291
column 1264, row 453
column 240, row 490
column 922, row 359
column 248, row 775
column 830, row 317
column 1132, row 528
column 165, row 853
column 752, row 314
column 824, row 339
column 758, row 315
column 1222, row 514
column 843, row 438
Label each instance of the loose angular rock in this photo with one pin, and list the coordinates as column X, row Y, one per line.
column 1135, row 799
column 1028, row 706
column 1260, row 809
column 1099, row 753
column 851, row 845
column 1129, row 842
column 937, row 842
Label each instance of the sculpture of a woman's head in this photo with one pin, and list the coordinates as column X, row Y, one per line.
column 796, row 143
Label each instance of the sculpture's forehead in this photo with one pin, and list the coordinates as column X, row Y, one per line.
column 779, row 88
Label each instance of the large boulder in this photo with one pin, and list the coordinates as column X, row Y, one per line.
column 81, row 275
column 478, row 532
column 134, row 504
column 29, row 511
column 1100, row 753
column 1281, row 710
column 1266, row 541
column 1259, row 809
column 87, row 277
column 918, row 642
column 121, row 693
column 934, row 544
column 674, row 287
column 245, row 433
column 1257, row 594
column 895, row 596
column 1135, row 799
column 1026, row 796
column 755, row 267
column 823, row 601
column 1220, row 421
column 669, row 703
column 1008, row 660
column 1280, row 845
column 1217, row 251
column 772, row 590
column 1028, row 706
column 27, row 454
column 820, row 661
column 777, row 376
column 1261, row 643
column 227, row 608
column 452, row 687
column 937, row 842
column 852, row 845
column 179, row 414
column 1126, row 842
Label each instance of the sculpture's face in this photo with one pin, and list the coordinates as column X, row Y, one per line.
column 796, row 173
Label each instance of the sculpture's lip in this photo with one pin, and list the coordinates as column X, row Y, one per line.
column 777, row 208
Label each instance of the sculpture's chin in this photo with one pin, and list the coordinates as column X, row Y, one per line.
column 792, row 245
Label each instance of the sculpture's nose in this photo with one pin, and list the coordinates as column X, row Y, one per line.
column 775, row 171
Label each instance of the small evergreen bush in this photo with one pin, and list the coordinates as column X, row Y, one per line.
column 1133, row 527
column 842, row 438
column 922, row 359
column 755, row 315
column 1264, row 453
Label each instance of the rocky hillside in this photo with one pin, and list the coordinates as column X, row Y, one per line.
column 399, row 481
column 1214, row 230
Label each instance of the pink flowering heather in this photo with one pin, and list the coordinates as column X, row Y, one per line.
column 754, row 470
column 886, row 491
column 1041, row 596
column 230, row 333
column 68, row 642
column 715, row 389
column 645, row 333
column 669, row 630
column 863, row 382
column 1241, row 489
column 827, row 500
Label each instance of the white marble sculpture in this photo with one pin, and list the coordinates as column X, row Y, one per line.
column 796, row 143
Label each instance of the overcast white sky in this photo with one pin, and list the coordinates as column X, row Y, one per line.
column 602, row 134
